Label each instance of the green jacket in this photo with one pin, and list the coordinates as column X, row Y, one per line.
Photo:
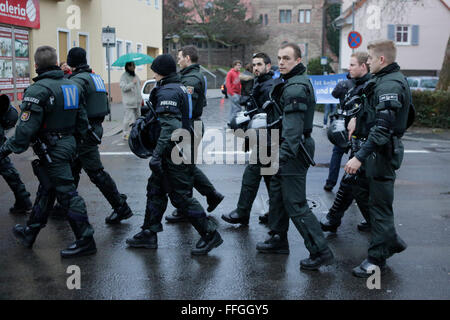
column 45, row 110
column 194, row 82
column 388, row 89
column 296, row 102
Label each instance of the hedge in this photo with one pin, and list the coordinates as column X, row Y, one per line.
column 432, row 108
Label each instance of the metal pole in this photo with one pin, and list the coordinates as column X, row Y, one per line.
column 109, row 79
column 353, row 21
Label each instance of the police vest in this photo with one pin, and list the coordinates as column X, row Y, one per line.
column 97, row 105
column 61, row 107
column 309, row 100
column 201, row 101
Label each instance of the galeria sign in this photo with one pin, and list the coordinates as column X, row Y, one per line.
column 24, row 13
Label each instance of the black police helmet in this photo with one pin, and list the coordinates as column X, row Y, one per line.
column 337, row 133
column 143, row 137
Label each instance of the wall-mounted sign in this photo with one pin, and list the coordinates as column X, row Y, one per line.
column 24, row 13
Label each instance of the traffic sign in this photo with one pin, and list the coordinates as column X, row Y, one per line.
column 354, row 39
column 109, row 36
column 323, row 61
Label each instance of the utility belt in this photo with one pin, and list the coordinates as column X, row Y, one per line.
column 51, row 137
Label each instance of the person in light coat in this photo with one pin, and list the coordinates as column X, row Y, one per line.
column 130, row 84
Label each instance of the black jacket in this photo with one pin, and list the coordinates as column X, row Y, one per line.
column 342, row 88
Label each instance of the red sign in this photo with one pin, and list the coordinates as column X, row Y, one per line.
column 354, row 39
column 24, row 13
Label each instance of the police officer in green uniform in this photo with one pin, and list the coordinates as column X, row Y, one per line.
column 8, row 119
column 170, row 101
column 51, row 119
column 88, row 156
column 383, row 120
column 252, row 173
column 294, row 101
column 194, row 82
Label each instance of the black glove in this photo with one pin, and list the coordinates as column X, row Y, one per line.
column 4, row 152
column 156, row 164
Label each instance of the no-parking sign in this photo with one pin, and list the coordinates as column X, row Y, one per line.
column 354, row 39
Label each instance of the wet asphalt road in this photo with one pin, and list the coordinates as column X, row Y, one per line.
column 234, row 270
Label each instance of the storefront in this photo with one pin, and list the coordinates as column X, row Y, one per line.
column 17, row 17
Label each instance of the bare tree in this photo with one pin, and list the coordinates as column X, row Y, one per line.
column 444, row 76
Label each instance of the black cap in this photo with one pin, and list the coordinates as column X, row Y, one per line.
column 76, row 57
column 164, row 65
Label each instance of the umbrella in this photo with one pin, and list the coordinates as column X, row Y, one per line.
column 137, row 58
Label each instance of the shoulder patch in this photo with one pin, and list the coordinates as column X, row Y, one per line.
column 190, row 89
column 32, row 100
column 71, row 96
column 388, row 97
column 25, row 116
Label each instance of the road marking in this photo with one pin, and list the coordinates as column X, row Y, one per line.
column 417, row 151
column 116, row 153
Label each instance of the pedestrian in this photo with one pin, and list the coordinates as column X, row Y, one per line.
column 233, row 84
column 339, row 92
column 171, row 103
column 252, row 174
column 351, row 101
column 51, row 118
column 293, row 100
column 130, row 85
column 65, row 67
column 8, row 119
column 88, row 156
column 382, row 121
column 195, row 84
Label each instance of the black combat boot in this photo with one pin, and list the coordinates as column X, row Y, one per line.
column 329, row 225
column 27, row 234
column 81, row 247
column 144, row 239
column 264, row 219
column 316, row 260
column 121, row 213
column 367, row 268
column 177, row 216
column 213, row 200
column 206, row 243
column 276, row 243
column 22, row 206
column 364, row 226
column 234, row 218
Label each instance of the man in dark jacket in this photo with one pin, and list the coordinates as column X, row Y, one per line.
column 170, row 101
column 195, row 84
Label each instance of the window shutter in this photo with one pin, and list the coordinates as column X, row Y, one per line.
column 415, row 35
column 391, row 32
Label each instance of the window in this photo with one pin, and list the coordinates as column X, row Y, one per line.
column 119, row 48
column 266, row 19
column 63, row 44
column 139, row 48
column 402, row 34
column 285, row 16
column 157, row 4
column 261, row 19
column 304, row 16
column 128, row 47
column 83, row 42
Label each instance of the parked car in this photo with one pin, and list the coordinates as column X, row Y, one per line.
column 145, row 94
column 423, row 83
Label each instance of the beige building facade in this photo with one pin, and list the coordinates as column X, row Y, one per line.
column 65, row 24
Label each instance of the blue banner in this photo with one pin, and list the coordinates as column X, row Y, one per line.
column 324, row 85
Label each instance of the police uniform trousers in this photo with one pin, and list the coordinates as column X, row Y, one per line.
column 88, row 159
column 374, row 194
column 178, row 180
column 12, row 178
column 287, row 195
column 58, row 176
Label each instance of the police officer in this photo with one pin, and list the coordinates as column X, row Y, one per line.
column 386, row 103
column 88, row 156
column 170, row 101
column 51, row 118
column 252, row 174
column 195, row 84
column 8, row 119
column 359, row 73
column 293, row 100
